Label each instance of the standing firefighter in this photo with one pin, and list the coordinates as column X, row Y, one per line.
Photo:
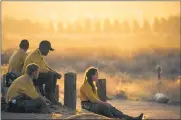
column 159, row 70
column 160, row 97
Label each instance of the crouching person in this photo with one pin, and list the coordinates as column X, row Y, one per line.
column 22, row 95
column 91, row 102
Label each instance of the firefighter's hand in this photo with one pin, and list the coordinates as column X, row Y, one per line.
column 58, row 75
column 47, row 101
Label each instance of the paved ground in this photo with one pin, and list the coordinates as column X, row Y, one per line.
column 151, row 110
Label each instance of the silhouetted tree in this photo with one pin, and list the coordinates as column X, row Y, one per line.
column 156, row 25
column 69, row 28
column 116, row 26
column 146, row 26
column 107, row 25
column 126, row 27
column 78, row 27
column 60, row 28
column 11, row 25
column 50, row 29
column 136, row 26
column 174, row 25
column 73, row 27
column 87, row 25
column 97, row 26
column 163, row 25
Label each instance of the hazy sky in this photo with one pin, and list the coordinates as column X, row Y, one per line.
column 68, row 10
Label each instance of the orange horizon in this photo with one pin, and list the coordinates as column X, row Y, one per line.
column 45, row 11
column 64, row 11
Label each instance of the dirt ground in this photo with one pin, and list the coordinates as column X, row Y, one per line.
column 151, row 110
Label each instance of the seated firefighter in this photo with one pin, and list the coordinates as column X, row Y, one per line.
column 47, row 75
column 91, row 102
column 22, row 95
column 16, row 61
column 15, row 66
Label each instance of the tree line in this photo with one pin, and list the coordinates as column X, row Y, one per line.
column 169, row 25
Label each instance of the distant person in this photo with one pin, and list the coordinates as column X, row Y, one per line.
column 16, row 61
column 91, row 102
column 47, row 75
column 22, row 95
column 159, row 82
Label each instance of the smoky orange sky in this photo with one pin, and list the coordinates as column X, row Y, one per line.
column 69, row 11
column 45, row 11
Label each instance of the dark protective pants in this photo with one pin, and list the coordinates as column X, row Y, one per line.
column 101, row 109
column 24, row 105
column 50, row 81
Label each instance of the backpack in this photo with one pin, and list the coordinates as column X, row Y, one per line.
column 10, row 77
